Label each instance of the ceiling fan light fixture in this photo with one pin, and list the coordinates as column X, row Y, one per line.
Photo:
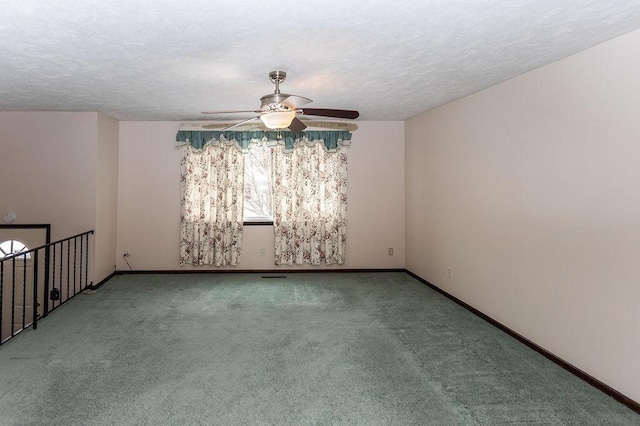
column 278, row 119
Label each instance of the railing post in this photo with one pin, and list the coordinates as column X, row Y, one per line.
column 86, row 269
column 81, row 258
column 45, row 308
column 75, row 261
column 13, row 294
column 24, row 291
column 68, row 266
column 53, row 274
column 61, row 265
column 35, row 289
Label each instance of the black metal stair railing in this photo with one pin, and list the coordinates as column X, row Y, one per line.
column 35, row 282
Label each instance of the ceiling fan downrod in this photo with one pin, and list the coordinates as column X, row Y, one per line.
column 276, row 78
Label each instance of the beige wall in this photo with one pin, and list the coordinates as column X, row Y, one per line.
column 47, row 169
column 530, row 190
column 61, row 168
column 149, row 199
column 106, row 196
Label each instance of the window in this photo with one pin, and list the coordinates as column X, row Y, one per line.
column 257, row 185
column 296, row 184
column 11, row 247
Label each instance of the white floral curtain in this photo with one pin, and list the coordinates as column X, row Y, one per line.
column 212, row 204
column 309, row 204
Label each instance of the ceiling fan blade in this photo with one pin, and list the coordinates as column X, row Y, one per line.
column 227, row 112
column 293, row 101
column 239, row 123
column 337, row 113
column 297, row 125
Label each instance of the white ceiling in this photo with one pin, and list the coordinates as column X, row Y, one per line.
column 169, row 59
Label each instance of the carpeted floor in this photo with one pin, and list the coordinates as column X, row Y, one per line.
column 329, row 348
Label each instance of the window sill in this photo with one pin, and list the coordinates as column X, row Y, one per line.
column 263, row 223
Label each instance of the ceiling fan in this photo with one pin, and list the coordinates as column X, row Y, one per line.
column 280, row 110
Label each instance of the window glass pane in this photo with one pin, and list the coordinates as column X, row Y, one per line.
column 257, row 184
column 10, row 247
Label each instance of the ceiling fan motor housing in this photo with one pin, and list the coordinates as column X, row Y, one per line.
column 269, row 102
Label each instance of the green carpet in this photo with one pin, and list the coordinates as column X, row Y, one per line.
column 329, row 348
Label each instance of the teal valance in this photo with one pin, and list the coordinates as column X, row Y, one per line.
column 200, row 138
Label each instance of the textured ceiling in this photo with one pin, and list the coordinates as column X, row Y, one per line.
column 169, row 60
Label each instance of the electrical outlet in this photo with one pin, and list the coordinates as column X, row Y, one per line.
column 126, row 253
column 450, row 271
column 262, row 252
column 390, row 251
